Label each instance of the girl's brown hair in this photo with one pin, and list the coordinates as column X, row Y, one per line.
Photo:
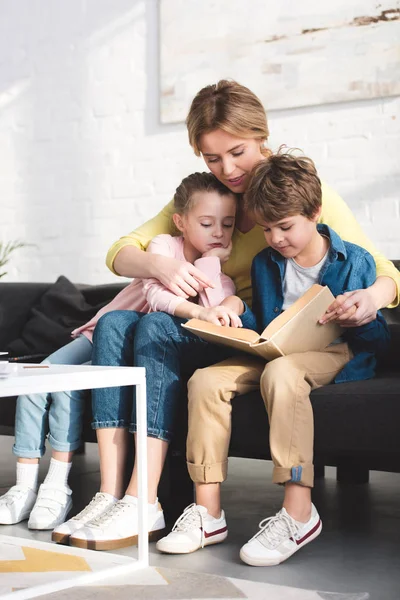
column 282, row 186
column 228, row 106
column 197, row 182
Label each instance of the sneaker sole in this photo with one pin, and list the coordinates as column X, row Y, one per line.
column 190, row 551
column 262, row 562
column 61, row 538
column 154, row 536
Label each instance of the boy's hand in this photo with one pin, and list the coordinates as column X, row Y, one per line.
column 222, row 253
column 351, row 309
column 219, row 315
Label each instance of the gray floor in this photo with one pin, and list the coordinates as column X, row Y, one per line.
column 358, row 550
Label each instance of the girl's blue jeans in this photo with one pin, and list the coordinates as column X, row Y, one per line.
column 158, row 342
column 57, row 415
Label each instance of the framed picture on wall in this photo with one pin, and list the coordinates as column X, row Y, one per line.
column 290, row 54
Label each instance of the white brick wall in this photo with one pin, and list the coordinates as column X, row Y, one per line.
column 83, row 158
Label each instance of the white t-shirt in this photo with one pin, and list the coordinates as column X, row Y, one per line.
column 299, row 279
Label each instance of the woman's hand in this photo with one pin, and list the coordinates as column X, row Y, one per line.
column 219, row 315
column 182, row 278
column 351, row 309
column 222, row 253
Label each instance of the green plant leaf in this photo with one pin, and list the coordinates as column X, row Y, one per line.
column 6, row 250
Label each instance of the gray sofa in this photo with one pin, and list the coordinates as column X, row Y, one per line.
column 356, row 424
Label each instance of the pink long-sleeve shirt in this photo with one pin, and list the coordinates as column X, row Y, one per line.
column 149, row 295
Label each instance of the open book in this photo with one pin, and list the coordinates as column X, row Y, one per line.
column 295, row 330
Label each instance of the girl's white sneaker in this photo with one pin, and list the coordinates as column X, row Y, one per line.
column 51, row 507
column 96, row 507
column 117, row 527
column 16, row 505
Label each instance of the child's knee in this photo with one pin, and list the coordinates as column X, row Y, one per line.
column 157, row 327
column 115, row 328
column 276, row 370
column 280, row 376
column 203, row 385
column 109, row 323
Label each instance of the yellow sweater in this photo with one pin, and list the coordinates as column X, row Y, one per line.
column 335, row 213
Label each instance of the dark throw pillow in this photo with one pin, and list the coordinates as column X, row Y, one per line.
column 60, row 310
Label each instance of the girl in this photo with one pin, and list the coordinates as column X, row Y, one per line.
column 227, row 125
column 204, row 215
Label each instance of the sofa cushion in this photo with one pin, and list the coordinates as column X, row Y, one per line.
column 60, row 309
column 351, row 419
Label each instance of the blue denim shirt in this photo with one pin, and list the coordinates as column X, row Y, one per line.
column 348, row 267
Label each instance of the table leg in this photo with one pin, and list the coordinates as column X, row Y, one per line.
column 141, row 457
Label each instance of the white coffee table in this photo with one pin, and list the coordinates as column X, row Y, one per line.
column 30, row 379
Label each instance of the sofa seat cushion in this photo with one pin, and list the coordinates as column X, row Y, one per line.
column 356, row 418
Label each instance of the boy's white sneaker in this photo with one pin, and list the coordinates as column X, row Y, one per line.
column 194, row 529
column 96, row 507
column 117, row 527
column 280, row 537
column 51, row 507
column 16, row 505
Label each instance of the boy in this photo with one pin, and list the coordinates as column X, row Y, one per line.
column 284, row 197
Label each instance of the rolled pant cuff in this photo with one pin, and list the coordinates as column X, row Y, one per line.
column 302, row 474
column 215, row 473
column 64, row 446
column 22, row 453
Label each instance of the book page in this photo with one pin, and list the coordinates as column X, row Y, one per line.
column 295, row 330
column 293, row 310
column 235, row 333
column 303, row 332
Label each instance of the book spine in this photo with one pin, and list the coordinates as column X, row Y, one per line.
column 269, row 350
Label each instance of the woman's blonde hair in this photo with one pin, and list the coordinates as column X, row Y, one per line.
column 228, row 106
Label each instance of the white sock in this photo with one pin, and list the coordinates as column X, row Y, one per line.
column 58, row 472
column 133, row 500
column 27, row 475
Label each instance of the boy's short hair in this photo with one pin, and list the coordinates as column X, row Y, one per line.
column 283, row 185
column 197, row 182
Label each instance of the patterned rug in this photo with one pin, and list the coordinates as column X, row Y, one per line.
column 29, row 569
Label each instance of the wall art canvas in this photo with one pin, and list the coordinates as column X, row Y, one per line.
column 290, row 53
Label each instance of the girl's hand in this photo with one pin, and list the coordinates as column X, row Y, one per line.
column 219, row 315
column 351, row 309
column 234, row 303
column 182, row 278
column 222, row 253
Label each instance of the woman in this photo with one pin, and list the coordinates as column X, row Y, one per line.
column 227, row 126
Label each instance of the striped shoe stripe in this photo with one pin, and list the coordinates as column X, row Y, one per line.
column 208, row 534
column 313, row 530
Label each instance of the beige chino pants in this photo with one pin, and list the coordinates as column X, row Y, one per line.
column 285, row 384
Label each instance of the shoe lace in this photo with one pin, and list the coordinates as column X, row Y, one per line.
column 13, row 494
column 111, row 513
column 191, row 518
column 91, row 509
column 274, row 530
